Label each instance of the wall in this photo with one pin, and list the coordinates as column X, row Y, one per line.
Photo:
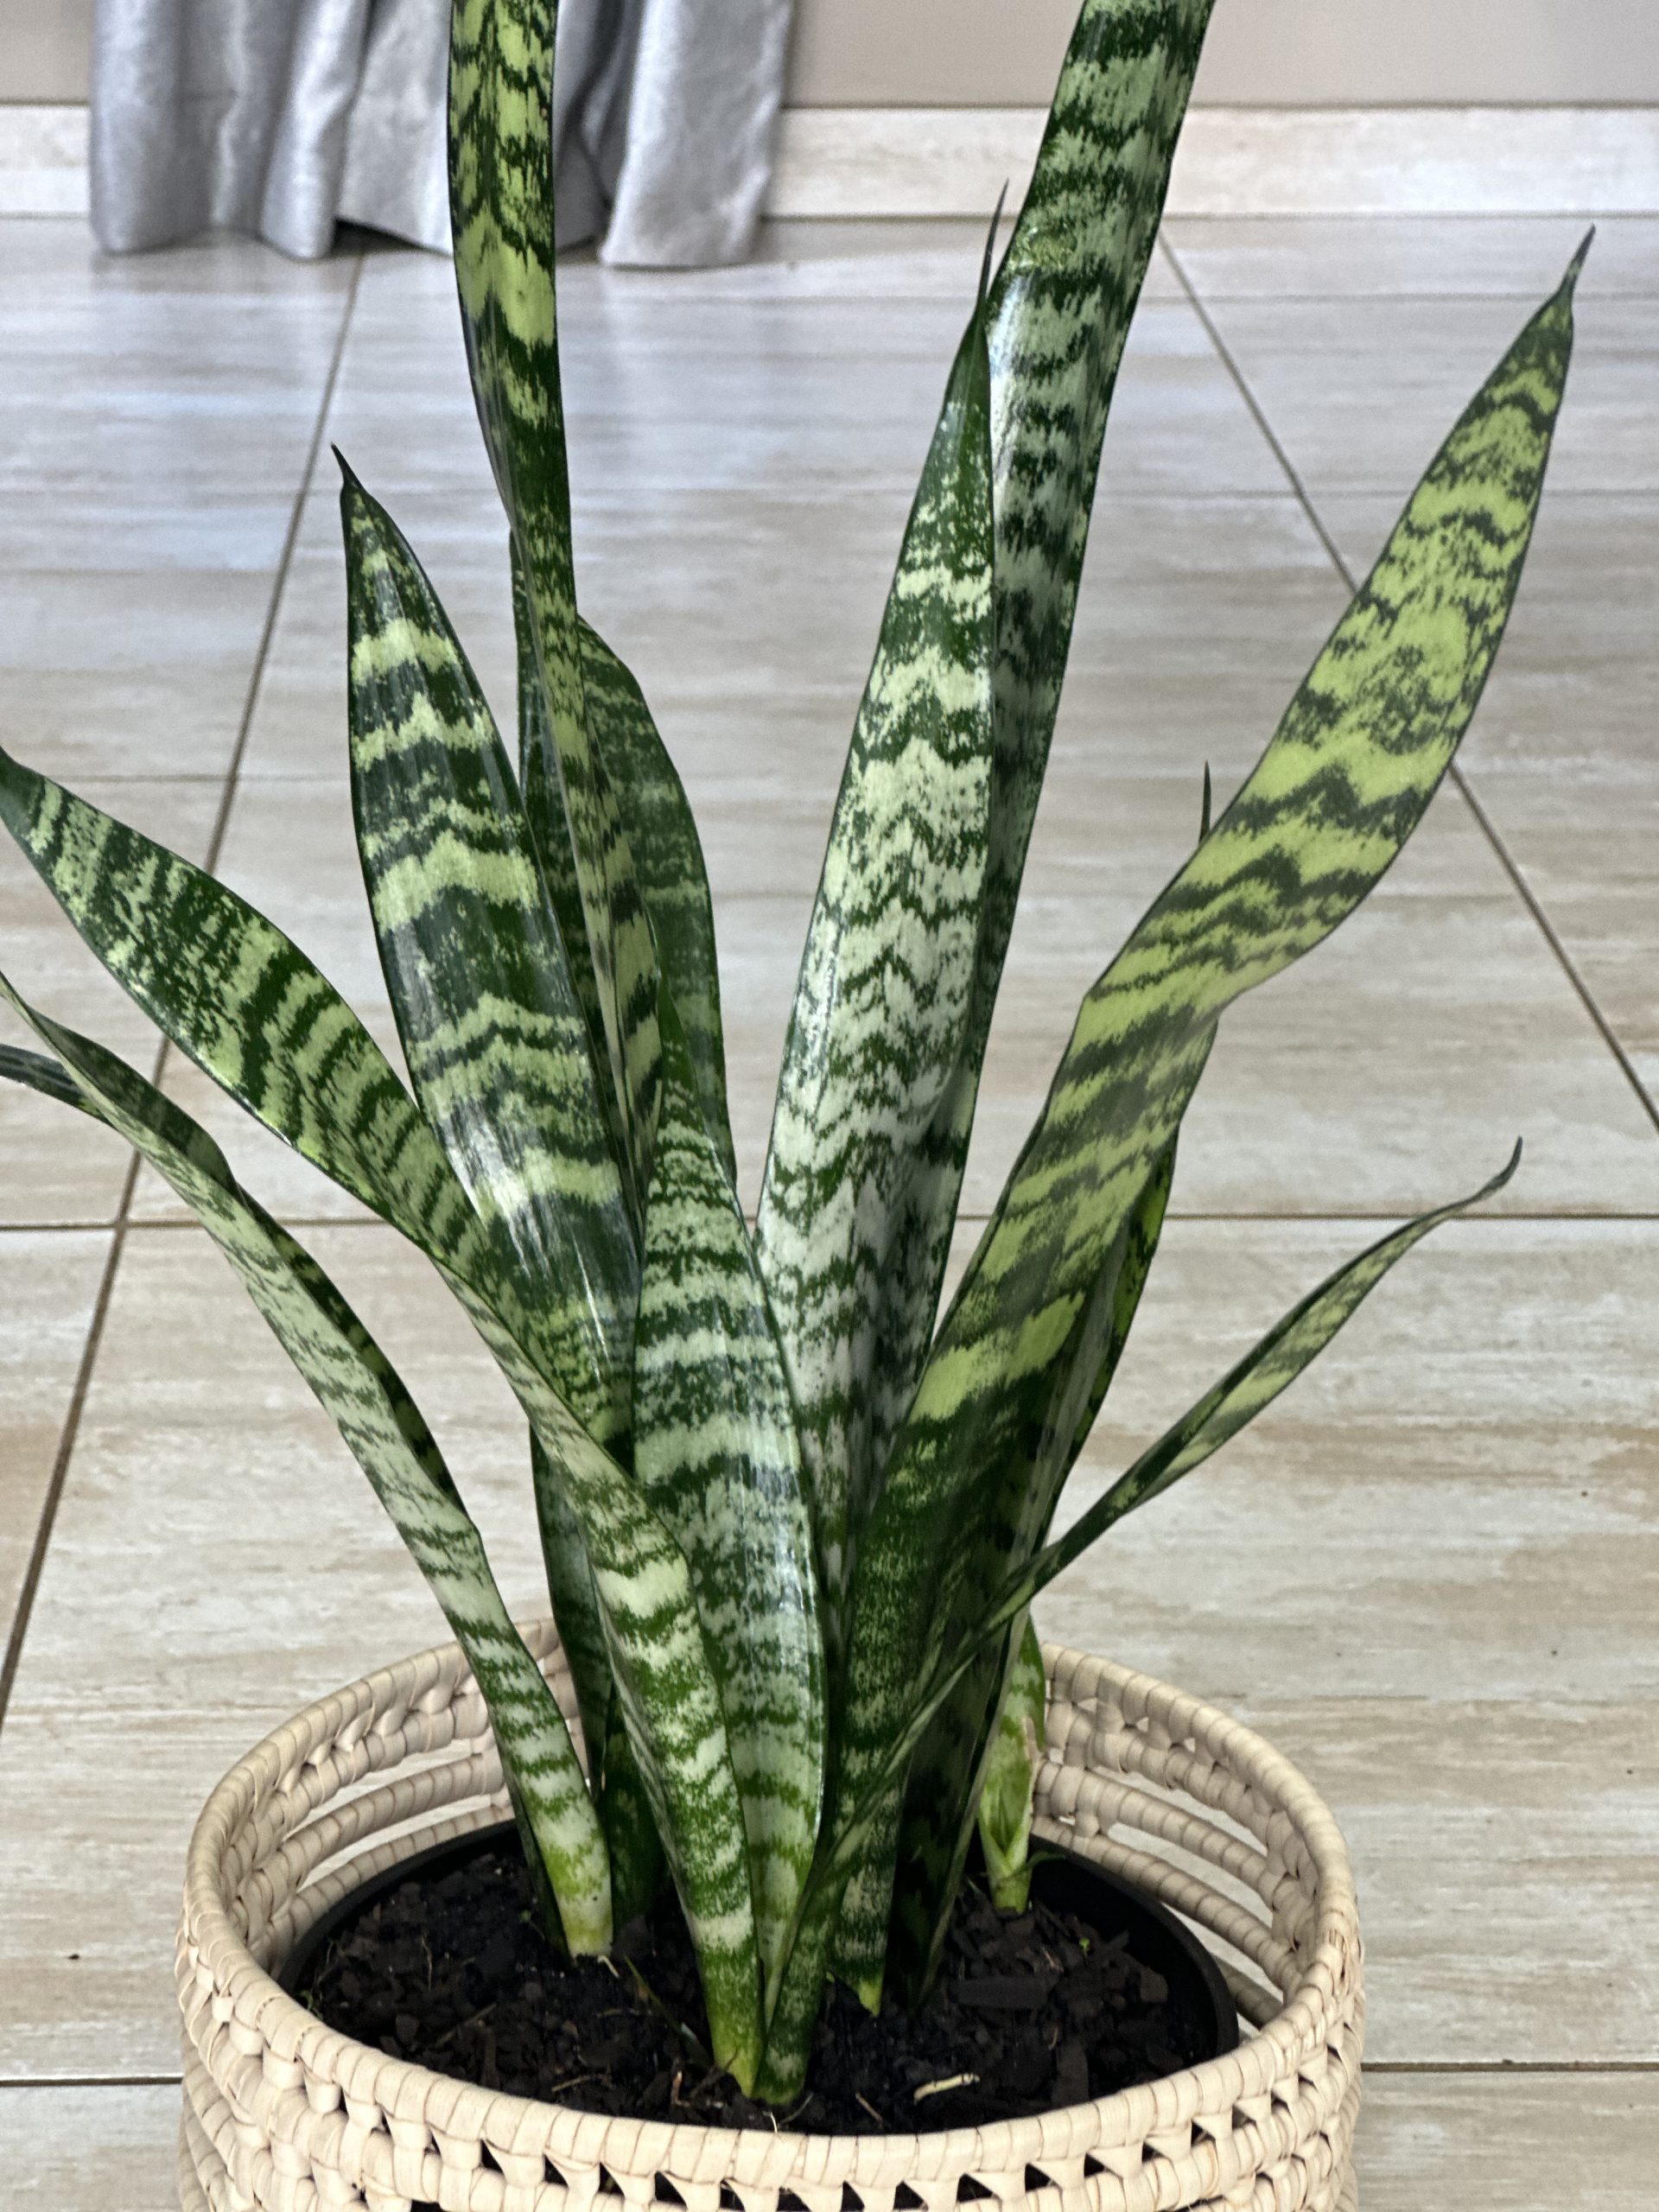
column 43, row 48
column 1005, row 53
column 1279, row 52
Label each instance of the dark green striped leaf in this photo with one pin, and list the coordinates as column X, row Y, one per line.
column 1247, row 1389
column 1059, row 316
column 1346, row 779
column 244, row 1003
column 494, row 1036
column 668, row 855
column 501, row 208
column 886, row 984
column 859, row 1819
column 940, row 1793
column 667, row 1687
column 717, row 1455
column 380, row 1423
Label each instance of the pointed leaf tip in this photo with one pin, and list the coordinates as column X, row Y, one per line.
column 352, row 482
column 990, row 249
column 1575, row 267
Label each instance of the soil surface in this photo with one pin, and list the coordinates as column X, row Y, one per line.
column 449, row 1970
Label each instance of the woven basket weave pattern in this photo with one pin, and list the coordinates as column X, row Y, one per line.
column 284, row 2115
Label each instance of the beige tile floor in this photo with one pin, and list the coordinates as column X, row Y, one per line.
column 1432, row 1571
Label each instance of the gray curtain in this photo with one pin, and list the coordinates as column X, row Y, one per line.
column 284, row 116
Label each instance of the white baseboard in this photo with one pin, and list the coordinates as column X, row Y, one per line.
column 43, row 160
column 1233, row 161
column 1485, row 161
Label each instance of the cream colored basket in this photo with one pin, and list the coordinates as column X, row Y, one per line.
column 280, row 2112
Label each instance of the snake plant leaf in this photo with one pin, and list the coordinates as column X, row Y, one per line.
column 886, row 982
column 668, row 855
column 1059, row 316
column 718, row 1454
column 857, row 1822
column 668, row 1692
column 1248, row 1388
column 490, row 1024
column 241, row 1000
column 1347, row 777
column 502, row 217
column 35, row 1071
column 362, row 1393
column 1013, row 1758
column 941, row 1790
column 543, row 804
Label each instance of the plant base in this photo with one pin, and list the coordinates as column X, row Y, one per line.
column 282, row 2114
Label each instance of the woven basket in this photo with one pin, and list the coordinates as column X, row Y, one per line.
column 283, row 2114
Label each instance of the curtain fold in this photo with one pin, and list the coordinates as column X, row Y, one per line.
column 284, row 117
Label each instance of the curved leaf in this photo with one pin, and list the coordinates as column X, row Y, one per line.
column 241, row 1000
column 885, row 987
column 491, row 1028
column 717, row 1455
column 362, row 1393
column 1359, row 754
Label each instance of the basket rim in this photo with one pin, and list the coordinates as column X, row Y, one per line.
column 243, row 1990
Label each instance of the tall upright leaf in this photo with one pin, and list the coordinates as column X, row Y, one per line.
column 1346, row 779
column 856, row 1826
column 668, row 855
column 489, row 1017
column 501, row 208
column 668, row 1688
column 886, row 978
column 1059, row 317
column 360, row 1390
column 718, row 1455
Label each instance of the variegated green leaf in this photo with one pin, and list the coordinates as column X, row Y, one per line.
column 886, row 984
column 857, row 1823
column 491, row 1029
column 244, row 1002
column 1058, row 315
column 717, row 1455
column 1268, row 1370
column 379, row 1422
column 668, row 1688
column 668, row 855
column 939, row 1810
column 501, row 208
column 1360, row 753
column 1013, row 1758
column 543, row 802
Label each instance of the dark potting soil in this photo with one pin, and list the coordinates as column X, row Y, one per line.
column 449, row 1970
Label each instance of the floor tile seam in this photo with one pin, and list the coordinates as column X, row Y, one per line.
column 24, row 1606
column 1404, row 295
column 284, row 564
column 1488, row 830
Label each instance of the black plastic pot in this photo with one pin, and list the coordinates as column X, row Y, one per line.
column 1204, row 2022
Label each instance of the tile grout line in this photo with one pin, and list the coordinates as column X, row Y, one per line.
column 1484, row 822
column 68, row 1436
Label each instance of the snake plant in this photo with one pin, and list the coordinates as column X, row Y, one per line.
column 793, row 1523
